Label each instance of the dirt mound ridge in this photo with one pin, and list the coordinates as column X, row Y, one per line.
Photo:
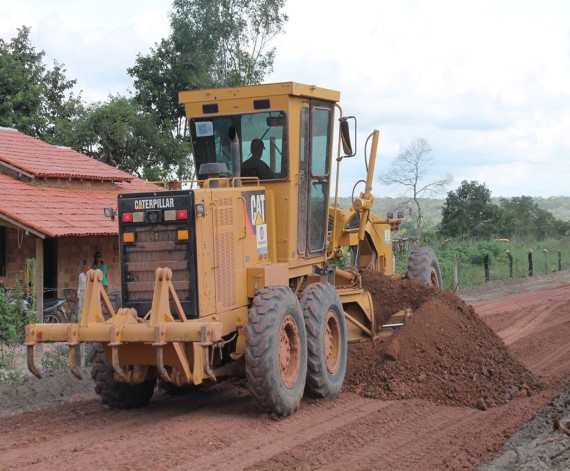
column 444, row 353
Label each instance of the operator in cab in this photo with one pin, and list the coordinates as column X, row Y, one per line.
column 254, row 166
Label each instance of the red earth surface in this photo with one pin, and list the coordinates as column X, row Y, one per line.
column 455, row 388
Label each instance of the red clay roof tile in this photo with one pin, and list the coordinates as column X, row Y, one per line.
column 58, row 207
column 40, row 159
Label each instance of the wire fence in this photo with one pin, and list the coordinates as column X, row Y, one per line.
column 460, row 274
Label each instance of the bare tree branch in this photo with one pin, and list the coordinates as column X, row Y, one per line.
column 408, row 170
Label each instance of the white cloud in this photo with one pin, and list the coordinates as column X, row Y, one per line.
column 486, row 82
column 96, row 40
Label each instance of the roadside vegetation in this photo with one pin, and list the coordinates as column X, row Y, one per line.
column 470, row 256
column 13, row 320
column 477, row 230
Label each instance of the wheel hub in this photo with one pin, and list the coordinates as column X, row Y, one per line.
column 289, row 351
column 433, row 280
column 332, row 342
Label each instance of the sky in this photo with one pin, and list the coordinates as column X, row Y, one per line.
column 486, row 83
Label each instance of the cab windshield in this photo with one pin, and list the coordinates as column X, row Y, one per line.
column 259, row 139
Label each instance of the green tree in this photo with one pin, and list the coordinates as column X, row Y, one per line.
column 121, row 134
column 211, row 44
column 408, row 170
column 522, row 217
column 468, row 211
column 33, row 98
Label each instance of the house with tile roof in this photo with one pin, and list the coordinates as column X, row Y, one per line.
column 52, row 220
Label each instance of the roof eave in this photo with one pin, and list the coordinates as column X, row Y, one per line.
column 23, row 226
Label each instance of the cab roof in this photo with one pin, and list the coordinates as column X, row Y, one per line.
column 258, row 91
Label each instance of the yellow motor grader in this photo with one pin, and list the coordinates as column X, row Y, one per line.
column 251, row 268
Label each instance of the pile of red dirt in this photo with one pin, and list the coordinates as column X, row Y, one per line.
column 444, row 353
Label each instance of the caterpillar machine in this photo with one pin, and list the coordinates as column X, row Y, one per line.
column 248, row 270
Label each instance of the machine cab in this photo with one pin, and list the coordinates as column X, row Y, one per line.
column 278, row 136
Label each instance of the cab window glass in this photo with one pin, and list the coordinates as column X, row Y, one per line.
column 265, row 131
column 320, row 141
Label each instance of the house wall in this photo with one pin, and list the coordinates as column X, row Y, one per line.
column 19, row 247
column 73, row 255
column 76, row 253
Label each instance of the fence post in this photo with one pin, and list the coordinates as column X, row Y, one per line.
column 545, row 261
column 560, row 260
column 486, row 265
column 529, row 262
column 510, row 255
column 455, row 276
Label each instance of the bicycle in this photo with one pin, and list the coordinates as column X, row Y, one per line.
column 53, row 311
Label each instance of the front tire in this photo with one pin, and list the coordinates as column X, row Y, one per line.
column 276, row 351
column 117, row 395
column 326, row 340
column 424, row 267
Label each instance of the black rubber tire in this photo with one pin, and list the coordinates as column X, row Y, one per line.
column 326, row 340
column 276, row 351
column 424, row 267
column 117, row 395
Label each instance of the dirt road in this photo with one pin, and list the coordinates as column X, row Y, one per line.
column 220, row 428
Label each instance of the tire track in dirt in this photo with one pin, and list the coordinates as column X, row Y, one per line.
column 158, row 436
column 306, row 426
column 533, row 327
column 225, row 431
column 407, row 435
column 528, row 322
column 219, row 427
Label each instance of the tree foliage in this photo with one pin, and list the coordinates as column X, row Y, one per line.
column 469, row 212
column 121, row 134
column 409, row 170
column 521, row 217
column 33, row 98
column 221, row 43
column 211, row 44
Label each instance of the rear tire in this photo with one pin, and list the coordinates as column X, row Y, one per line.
column 326, row 340
column 424, row 267
column 113, row 394
column 276, row 351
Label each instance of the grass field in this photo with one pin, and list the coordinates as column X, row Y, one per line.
column 470, row 260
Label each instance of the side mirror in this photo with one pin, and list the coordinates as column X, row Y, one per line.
column 345, row 136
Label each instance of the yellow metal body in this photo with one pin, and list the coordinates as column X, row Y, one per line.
column 232, row 262
column 283, row 194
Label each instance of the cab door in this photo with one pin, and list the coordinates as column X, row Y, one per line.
column 315, row 149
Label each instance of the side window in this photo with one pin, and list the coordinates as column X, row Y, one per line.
column 321, row 118
column 302, row 215
column 315, row 132
column 321, row 132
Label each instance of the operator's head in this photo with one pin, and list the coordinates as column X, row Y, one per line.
column 257, row 147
